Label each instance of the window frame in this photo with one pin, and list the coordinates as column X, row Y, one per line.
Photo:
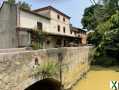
column 58, row 28
column 64, row 29
column 39, row 25
column 58, row 16
column 64, row 19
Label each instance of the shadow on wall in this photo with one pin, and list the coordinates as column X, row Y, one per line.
column 46, row 84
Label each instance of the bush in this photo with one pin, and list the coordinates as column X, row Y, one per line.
column 46, row 70
column 37, row 39
column 36, row 45
column 104, row 61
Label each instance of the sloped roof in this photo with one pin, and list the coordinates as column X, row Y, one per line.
column 31, row 12
column 51, row 8
column 77, row 29
column 28, row 11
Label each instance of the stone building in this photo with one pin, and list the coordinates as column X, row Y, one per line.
column 82, row 34
column 16, row 26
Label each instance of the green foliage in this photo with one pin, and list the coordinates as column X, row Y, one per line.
column 89, row 21
column 106, row 34
column 37, row 45
column 94, row 38
column 105, row 61
column 108, row 45
column 37, row 39
column 24, row 5
column 11, row 2
column 98, row 13
column 46, row 70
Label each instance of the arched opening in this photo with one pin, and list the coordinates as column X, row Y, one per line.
column 46, row 84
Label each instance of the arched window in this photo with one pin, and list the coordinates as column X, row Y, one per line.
column 63, row 19
column 71, row 32
column 58, row 28
column 39, row 25
column 58, row 16
column 64, row 29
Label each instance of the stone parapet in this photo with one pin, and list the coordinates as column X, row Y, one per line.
column 16, row 68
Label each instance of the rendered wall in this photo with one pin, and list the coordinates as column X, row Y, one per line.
column 28, row 20
column 8, row 37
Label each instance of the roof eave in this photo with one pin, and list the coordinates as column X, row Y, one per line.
column 34, row 13
column 52, row 8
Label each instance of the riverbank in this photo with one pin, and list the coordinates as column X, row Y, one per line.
column 98, row 78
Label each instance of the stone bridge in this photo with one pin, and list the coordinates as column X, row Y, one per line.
column 20, row 69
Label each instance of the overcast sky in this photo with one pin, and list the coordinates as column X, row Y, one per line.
column 73, row 8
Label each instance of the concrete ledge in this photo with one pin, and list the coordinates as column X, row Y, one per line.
column 12, row 50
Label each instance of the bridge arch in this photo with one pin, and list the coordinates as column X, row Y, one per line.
column 46, row 84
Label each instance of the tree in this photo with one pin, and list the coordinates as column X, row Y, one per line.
column 89, row 20
column 38, row 37
column 106, row 34
column 108, row 48
column 110, row 33
column 11, row 1
column 98, row 13
column 24, row 5
column 94, row 38
column 108, row 9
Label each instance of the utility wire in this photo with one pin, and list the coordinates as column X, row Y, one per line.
column 94, row 1
column 91, row 2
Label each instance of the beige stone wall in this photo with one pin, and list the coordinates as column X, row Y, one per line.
column 17, row 67
column 51, row 44
column 55, row 22
column 84, row 39
column 9, row 50
column 77, row 61
column 44, row 13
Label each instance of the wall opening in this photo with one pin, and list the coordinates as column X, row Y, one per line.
column 46, row 84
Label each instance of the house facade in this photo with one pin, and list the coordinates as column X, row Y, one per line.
column 16, row 26
column 81, row 34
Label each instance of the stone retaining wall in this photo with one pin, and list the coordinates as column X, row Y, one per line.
column 16, row 68
column 12, row 50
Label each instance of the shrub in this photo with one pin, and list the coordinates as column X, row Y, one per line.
column 105, row 61
column 46, row 70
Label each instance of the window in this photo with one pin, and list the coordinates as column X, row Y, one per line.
column 71, row 32
column 58, row 28
column 39, row 25
column 75, row 33
column 58, row 16
column 48, row 42
column 64, row 19
column 64, row 29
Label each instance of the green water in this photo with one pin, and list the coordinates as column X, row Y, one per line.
column 98, row 78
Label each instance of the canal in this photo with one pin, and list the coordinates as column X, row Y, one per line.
column 98, row 78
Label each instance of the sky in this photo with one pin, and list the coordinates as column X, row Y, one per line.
column 72, row 8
